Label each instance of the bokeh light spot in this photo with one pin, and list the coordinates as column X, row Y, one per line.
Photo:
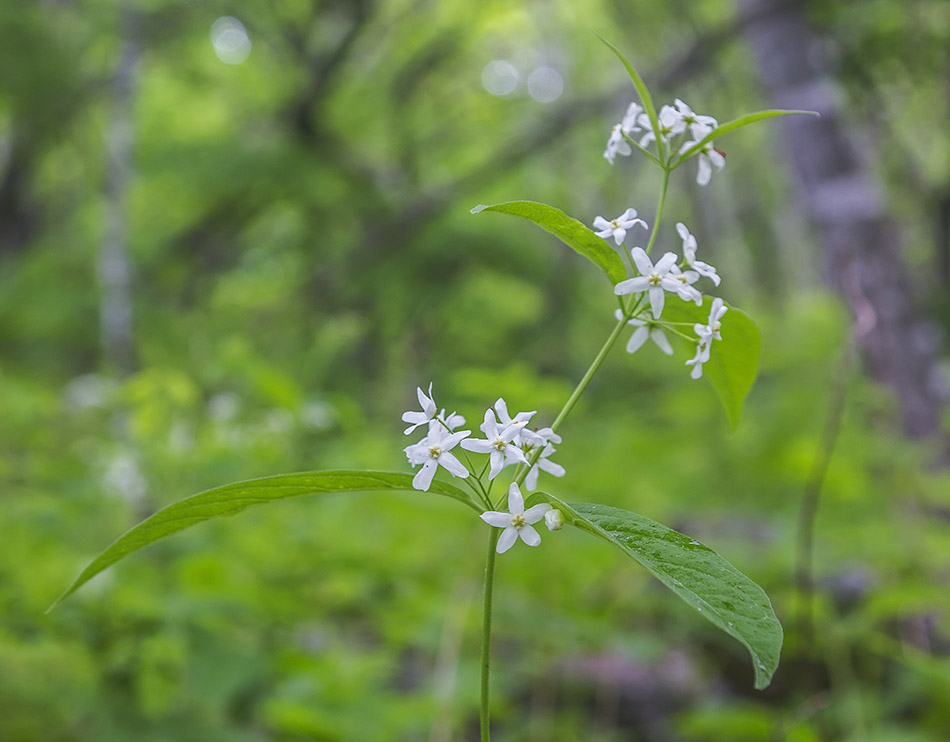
column 230, row 40
column 500, row 77
column 545, row 84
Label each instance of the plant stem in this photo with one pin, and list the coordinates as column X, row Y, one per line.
column 659, row 209
column 493, row 535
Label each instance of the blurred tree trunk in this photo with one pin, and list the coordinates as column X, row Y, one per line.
column 115, row 307
column 841, row 197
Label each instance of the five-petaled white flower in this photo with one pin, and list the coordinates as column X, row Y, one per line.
column 670, row 124
column 433, row 451
column 699, row 125
column 656, row 279
column 689, row 255
column 617, row 228
column 497, row 443
column 427, row 403
column 617, row 144
column 645, row 330
column 517, row 521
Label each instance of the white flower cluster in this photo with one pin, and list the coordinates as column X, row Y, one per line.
column 507, row 441
column 672, row 122
column 669, row 274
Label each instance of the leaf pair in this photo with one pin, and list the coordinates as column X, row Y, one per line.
column 698, row 575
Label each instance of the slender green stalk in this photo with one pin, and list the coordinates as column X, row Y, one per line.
column 659, row 209
column 493, row 534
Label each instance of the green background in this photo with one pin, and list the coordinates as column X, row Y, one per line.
column 303, row 257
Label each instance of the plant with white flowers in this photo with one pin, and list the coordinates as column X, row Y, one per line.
column 661, row 299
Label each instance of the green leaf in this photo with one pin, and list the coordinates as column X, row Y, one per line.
column 749, row 118
column 697, row 574
column 231, row 499
column 642, row 91
column 571, row 232
column 733, row 361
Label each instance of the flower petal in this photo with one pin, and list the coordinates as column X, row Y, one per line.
column 662, row 342
column 632, row 286
column 496, row 519
column 477, row 445
column 452, row 465
column 536, row 512
column 641, row 260
column 515, row 500
column 530, row 536
column 424, row 476
column 638, row 338
column 656, row 301
column 507, row 539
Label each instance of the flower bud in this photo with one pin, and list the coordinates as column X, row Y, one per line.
column 554, row 519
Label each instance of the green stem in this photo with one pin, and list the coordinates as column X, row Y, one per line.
column 493, row 535
column 659, row 209
column 578, row 391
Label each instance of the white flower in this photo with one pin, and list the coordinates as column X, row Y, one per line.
column 707, row 157
column 452, row 421
column 543, row 464
column 645, row 330
column 517, row 521
column 427, row 403
column 433, row 451
column 617, row 143
column 714, row 324
column 699, row 126
column 501, row 408
column 617, row 228
column 655, row 279
column 689, row 255
column 554, row 519
column 670, row 124
column 707, row 333
column 686, row 280
column 497, row 444
column 702, row 355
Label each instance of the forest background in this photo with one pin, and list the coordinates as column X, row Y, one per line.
column 235, row 237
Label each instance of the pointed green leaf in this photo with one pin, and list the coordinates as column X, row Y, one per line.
column 231, row 499
column 697, row 574
column 733, row 361
column 749, row 118
column 571, row 232
column 642, row 91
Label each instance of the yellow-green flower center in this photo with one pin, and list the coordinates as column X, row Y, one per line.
column 518, row 521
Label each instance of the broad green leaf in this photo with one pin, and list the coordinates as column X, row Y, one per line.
column 231, row 499
column 571, row 232
column 749, row 118
column 697, row 574
column 642, row 91
column 733, row 361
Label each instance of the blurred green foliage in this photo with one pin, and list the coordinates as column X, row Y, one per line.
column 304, row 256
